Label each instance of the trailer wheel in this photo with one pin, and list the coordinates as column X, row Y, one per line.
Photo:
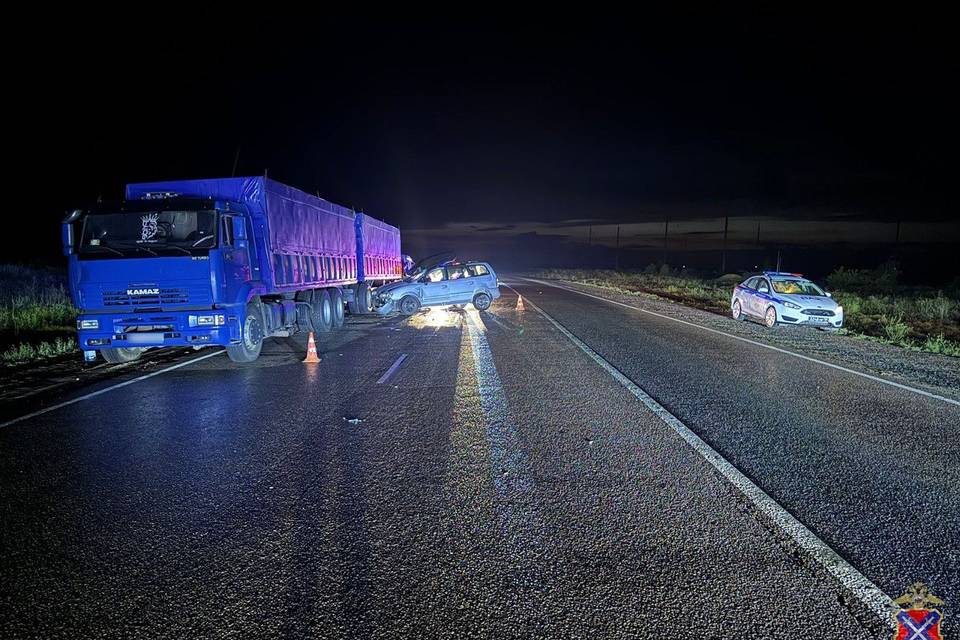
column 321, row 315
column 251, row 338
column 121, row 354
column 409, row 305
column 336, row 299
column 362, row 299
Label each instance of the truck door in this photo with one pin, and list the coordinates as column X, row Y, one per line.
column 235, row 249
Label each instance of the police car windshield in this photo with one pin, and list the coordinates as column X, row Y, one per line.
column 797, row 287
column 136, row 234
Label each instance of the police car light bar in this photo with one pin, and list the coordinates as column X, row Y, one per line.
column 782, row 273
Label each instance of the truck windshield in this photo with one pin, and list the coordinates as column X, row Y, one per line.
column 142, row 233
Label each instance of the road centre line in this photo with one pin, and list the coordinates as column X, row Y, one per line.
column 755, row 343
column 393, row 368
column 102, row 391
column 862, row 588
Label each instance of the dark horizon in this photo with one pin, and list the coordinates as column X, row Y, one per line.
column 494, row 140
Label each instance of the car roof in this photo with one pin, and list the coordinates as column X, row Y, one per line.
column 779, row 275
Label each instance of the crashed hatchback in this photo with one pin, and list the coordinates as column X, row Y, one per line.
column 438, row 285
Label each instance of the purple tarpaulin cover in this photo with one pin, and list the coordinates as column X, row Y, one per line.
column 297, row 222
column 380, row 239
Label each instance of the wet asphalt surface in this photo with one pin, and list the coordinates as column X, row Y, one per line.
column 498, row 484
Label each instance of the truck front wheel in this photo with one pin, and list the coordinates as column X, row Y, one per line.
column 251, row 339
column 121, row 354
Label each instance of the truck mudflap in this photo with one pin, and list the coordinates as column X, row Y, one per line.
column 164, row 329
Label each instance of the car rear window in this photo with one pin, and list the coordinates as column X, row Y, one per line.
column 478, row 269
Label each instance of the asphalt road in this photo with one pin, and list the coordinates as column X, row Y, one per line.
column 497, row 482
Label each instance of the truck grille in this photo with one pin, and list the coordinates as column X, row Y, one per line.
column 164, row 297
column 818, row 312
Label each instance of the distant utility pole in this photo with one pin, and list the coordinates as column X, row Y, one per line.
column 897, row 240
column 590, row 235
column 666, row 228
column 758, row 233
column 778, row 260
column 617, row 262
column 236, row 162
column 723, row 255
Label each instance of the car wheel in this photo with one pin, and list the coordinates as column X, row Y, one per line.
column 770, row 317
column 409, row 305
column 251, row 340
column 737, row 311
column 482, row 301
column 121, row 354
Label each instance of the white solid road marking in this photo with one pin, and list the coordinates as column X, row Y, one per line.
column 870, row 594
column 754, row 342
column 520, row 522
column 102, row 391
column 393, row 368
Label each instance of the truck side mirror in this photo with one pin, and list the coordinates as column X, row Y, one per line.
column 66, row 231
column 67, row 237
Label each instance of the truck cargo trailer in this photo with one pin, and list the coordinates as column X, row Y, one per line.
column 228, row 261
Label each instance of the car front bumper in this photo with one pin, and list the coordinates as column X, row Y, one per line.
column 790, row 316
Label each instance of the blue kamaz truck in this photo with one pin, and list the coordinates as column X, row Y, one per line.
column 229, row 262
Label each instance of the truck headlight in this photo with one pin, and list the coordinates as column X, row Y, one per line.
column 88, row 324
column 207, row 321
column 791, row 305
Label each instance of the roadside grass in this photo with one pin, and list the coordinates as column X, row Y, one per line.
column 875, row 307
column 37, row 319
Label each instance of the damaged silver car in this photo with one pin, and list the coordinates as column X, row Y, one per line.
column 433, row 284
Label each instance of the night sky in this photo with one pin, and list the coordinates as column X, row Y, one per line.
column 497, row 136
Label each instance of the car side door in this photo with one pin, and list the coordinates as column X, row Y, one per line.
column 761, row 298
column 484, row 277
column 746, row 295
column 436, row 288
column 461, row 284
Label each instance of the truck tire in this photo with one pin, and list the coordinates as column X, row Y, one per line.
column 336, row 299
column 121, row 354
column 321, row 315
column 251, row 336
column 362, row 299
column 482, row 301
column 409, row 305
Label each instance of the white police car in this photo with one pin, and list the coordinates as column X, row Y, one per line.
column 786, row 298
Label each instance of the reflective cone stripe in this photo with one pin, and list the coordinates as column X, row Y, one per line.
column 311, row 350
column 520, row 303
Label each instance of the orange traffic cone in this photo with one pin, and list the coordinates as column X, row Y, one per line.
column 520, row 303
column 311, row 350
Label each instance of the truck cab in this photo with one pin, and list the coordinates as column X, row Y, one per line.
column 161, row 271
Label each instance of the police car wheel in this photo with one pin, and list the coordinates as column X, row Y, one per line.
column 770, row 318
column 737, row 311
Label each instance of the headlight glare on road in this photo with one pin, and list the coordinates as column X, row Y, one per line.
column 88, row 324
column 791, row 305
